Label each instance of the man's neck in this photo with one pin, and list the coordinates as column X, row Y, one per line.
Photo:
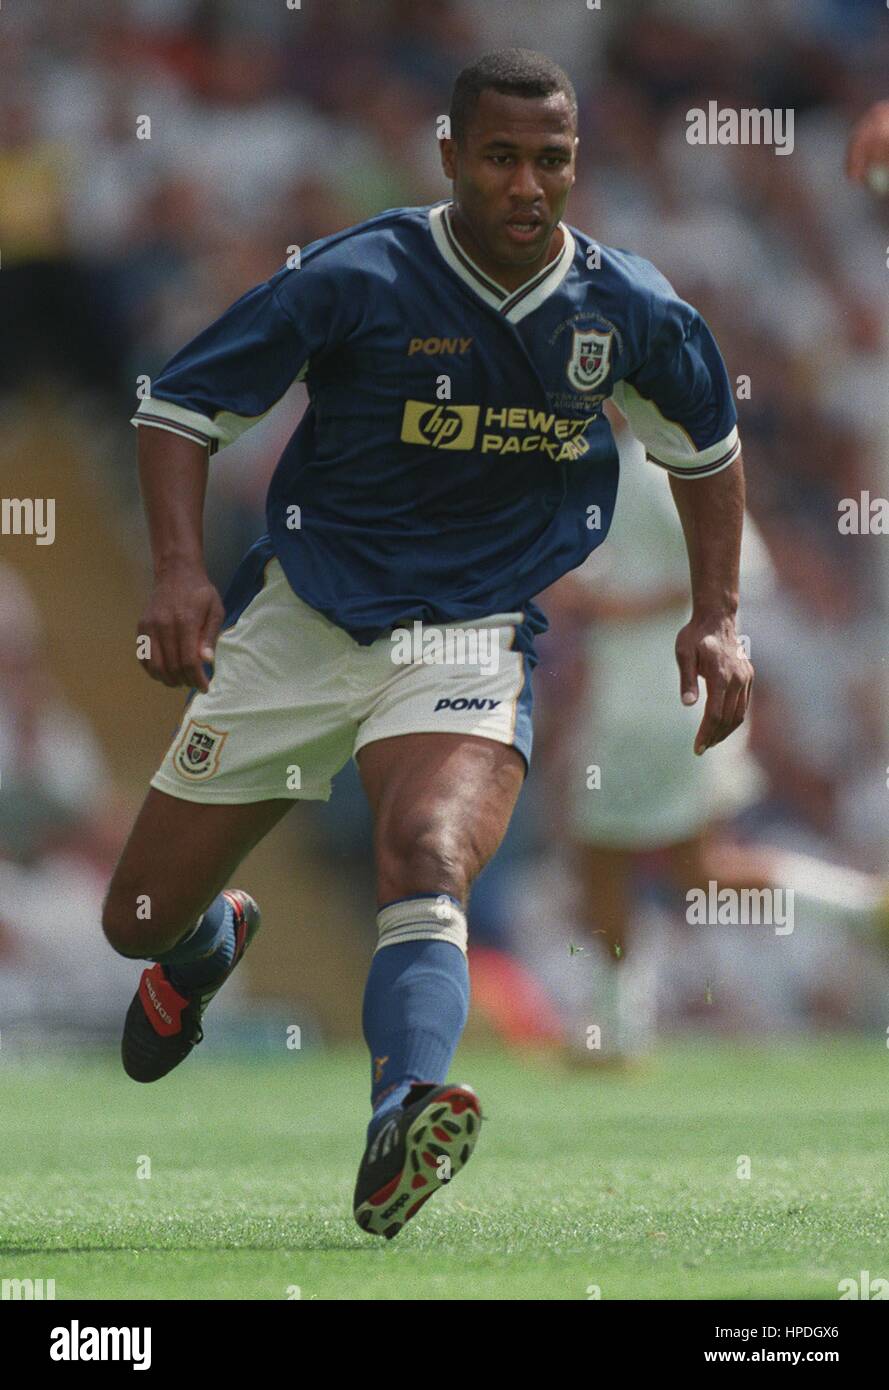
column 508, row 277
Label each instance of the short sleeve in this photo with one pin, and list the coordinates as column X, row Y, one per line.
column 679, row 403
column 233, row 373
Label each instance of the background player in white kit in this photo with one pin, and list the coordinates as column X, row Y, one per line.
column 635, row 784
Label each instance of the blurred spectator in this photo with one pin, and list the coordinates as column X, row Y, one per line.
column 58, row 836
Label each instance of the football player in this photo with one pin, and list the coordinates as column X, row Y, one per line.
column 454, row 462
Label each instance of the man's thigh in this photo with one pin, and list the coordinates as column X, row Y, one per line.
column 441, row 804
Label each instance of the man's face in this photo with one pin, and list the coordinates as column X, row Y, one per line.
column 512, row 173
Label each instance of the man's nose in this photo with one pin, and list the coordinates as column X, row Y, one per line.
column 525, row 184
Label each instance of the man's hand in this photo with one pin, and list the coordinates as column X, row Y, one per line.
column 182, row 622
column 712, row 649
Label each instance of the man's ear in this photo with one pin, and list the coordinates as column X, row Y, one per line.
column 449, row 158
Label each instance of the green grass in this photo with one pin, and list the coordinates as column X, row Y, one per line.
column 625, row 1183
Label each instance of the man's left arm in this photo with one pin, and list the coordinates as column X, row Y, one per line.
column 679, row 403
column 711, row 510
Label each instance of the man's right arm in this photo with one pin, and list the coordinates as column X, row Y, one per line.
column 208, row 394
column 184, row 612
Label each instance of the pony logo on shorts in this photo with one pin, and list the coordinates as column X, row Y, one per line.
column 197, row 752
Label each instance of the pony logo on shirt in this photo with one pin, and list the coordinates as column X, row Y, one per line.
column 590, row 359
column 197, row 752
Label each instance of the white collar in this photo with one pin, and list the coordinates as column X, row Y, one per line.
column 514, row 304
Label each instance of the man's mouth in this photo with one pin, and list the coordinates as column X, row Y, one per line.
column 523, row 229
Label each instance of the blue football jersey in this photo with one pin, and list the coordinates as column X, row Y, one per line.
column 454, row 459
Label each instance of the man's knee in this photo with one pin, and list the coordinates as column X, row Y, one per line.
column 138, row 924
column 424, row 853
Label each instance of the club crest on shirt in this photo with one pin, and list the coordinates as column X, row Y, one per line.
column 197, row 752
column 590, row 358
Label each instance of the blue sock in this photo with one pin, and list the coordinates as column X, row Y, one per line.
column 415, row 1004
column 207, row 953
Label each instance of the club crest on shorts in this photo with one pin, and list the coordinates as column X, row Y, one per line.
column 590, row 358
column 197, row 752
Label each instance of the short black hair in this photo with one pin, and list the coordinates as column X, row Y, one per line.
column 516, row 72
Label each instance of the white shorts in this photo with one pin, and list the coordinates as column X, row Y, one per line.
column 651, row 789
column 293, row 697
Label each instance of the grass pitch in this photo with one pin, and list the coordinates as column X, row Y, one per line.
column 625, row 1184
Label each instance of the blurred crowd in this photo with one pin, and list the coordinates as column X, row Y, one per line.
column 159, row 157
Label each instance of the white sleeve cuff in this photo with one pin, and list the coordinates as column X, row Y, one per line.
column 704, row 462
column 176, row 419
column 217, row 433
column 667, row 443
